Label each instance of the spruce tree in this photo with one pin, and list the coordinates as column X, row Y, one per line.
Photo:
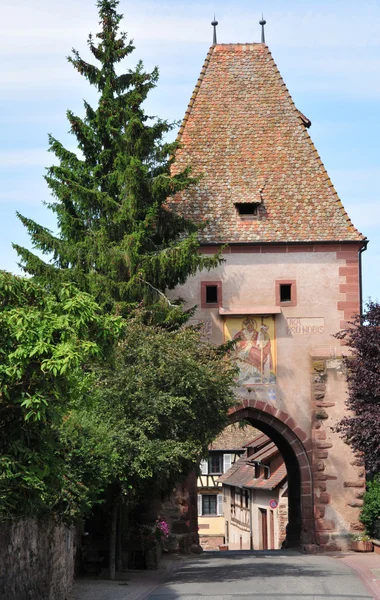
column 117, row 239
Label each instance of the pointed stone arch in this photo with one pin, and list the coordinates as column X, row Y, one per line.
column 295, row 446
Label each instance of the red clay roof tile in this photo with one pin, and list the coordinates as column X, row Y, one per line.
column 243, row 134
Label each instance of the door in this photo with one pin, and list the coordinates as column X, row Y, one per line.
column 264, row 528
column 271, row 523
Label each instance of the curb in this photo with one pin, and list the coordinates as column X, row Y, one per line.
column 144, row 594
column 365, row 578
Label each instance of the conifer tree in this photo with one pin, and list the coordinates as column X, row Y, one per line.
column 117, row 240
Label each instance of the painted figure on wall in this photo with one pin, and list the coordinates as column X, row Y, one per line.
column 254, row 349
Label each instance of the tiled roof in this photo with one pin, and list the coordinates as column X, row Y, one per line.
column 244, row 137
column 241, row 474
column 259, row 440
column 233, row 437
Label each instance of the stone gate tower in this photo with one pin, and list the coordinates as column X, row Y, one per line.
column 290, row 280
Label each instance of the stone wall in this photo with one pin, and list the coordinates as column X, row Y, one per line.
column 180, row 512
column 211, row 542
column 36, row 560
column 338, row 475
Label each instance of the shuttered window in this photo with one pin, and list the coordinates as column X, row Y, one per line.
column 209, row 504
column 226, row 462
column 199, row 505
column 204, row 467
column 220, row 504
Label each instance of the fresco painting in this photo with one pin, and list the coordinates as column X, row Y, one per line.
column 255, row 350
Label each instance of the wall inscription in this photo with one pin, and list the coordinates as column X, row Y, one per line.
column 205, row 326
column 306, row 325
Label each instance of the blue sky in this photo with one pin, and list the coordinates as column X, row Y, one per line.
column 327, row 51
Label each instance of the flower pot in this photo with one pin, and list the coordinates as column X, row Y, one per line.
column 362, row 546
column 223, row 547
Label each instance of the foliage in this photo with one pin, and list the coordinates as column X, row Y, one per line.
column 371, row 509
column 362, row 428
column 157, row 533
column 117, row 239
column 153, row 415
column 361, row 537
column 45, row 340
column 137, row 427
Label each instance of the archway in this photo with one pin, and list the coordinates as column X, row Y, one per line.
column 295, row 447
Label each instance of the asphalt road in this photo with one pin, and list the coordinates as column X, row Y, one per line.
column 262, row 575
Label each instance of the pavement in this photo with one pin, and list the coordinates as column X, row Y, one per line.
column 244, row 575
column 133, row 585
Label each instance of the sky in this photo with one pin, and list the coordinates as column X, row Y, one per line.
column 328, row 52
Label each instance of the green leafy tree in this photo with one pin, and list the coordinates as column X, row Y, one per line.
column 117, row 239
column 370, row 515
column 150, row 418
column 45, row 342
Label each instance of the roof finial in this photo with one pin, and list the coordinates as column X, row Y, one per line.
column 262, row 23
column 214, row 24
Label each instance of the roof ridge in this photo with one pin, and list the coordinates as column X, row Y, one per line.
column 314, row 149
column 195, row 92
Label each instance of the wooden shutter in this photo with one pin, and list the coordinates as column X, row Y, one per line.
column 199, row 505
column 204, row 467
column 226, row 462
column 219, row 510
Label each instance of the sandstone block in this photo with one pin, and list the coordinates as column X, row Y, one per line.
column 355, row 484
column 357, row 526
column 324, row 525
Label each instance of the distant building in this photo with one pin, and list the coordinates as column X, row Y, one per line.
column 223, row 452
column 255, row 502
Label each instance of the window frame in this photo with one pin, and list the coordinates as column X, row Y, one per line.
column 219, row 456
column 247, row 215
column 204, row 286
column 293, row 292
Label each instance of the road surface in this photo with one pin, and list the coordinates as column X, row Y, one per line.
column 269, row 575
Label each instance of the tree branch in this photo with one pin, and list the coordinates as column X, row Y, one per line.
column 158, row 292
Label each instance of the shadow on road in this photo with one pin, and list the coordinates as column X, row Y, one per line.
column 248, row 574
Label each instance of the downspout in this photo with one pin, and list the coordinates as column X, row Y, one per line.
column 362, row 249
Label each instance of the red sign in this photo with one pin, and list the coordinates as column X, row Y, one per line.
column 273, row 503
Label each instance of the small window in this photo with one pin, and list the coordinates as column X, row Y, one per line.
column 209, row 504
column 246, row 208
column 246, row 499
column 211, row 294
column 215, row 464
column 285, row 292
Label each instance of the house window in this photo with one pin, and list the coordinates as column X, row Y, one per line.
column 233, row 500
column 247, row 209
column 210, row 504
column 211, row 294
column 215, row 464
column 246, row 498
column 286, row 292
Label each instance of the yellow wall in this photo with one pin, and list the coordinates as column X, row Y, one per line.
column 216, row 525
